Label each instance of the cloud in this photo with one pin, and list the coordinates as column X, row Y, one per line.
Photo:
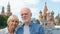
column 31, row 1
column 35, row 12
column 3, row 2
column 56, row 0
column 18, row 4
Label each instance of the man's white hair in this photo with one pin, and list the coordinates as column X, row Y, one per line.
column 25, row 8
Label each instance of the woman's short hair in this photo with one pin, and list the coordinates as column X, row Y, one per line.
column 11, row 17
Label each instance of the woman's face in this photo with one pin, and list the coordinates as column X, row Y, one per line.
column 13, row 23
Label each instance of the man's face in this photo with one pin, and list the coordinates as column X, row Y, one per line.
column 25, row 15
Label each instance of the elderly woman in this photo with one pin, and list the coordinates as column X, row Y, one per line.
column 12, row 23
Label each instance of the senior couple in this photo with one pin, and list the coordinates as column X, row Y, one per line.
column 28, row 26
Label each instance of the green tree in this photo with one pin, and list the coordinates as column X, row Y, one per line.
column 3, row 21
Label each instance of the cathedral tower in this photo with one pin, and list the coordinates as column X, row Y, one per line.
column 2, row 12
column 8, row 10
column 45, row 10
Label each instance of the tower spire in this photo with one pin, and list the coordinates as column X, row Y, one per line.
column 2, row 12
column 45, row 10
column 8, row 9
column 2, row 9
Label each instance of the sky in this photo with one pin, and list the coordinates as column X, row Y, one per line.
column 34, row 5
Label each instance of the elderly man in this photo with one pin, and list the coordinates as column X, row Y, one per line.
column 29, row 27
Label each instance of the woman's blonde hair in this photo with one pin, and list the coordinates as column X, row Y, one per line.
column 11, row 17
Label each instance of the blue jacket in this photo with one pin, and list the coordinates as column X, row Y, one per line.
column 34, row 29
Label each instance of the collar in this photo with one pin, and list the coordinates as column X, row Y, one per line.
column 29, row 25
